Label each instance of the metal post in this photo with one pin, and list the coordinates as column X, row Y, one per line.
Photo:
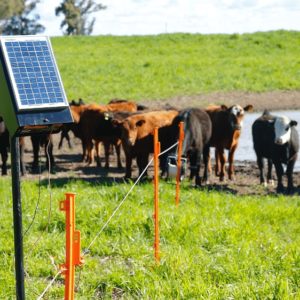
column 17, row 215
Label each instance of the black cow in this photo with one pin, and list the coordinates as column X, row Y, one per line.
column 276, row 139
column 197, row 133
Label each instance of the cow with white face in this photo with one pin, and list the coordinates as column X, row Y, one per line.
column 227, row 123
column 276, row 139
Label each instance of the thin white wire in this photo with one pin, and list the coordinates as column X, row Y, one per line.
column 49, row 285
column 117, row 208
column 121, row 203
column 168, row 149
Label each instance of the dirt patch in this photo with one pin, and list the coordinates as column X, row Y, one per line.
column 277, row 100
column 69, row 165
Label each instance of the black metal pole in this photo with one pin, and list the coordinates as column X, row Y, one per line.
column 17, row 213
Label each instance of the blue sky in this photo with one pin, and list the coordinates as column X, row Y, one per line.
column 136, row 17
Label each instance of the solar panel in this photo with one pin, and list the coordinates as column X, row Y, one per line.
column 33, row 72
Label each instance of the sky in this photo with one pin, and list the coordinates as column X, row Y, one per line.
column 143, row 17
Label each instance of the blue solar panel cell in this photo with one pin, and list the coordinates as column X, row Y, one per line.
column 33, row 73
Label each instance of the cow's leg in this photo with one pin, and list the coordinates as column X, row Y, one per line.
column 118, row 152
column 89, row 151
column 107, row 151
column 193, row 169
column 279, row 173
column 217, row 163
column 221, row 156
column 289, row 173
column 198, row 165
column 84, row 151
column 206, row 161
column 128, row 157
column 260, row 164
column 69, row 140
column 4, row 157
column 35, row 148
column 64, row 134
column 142, row 161
column 230, row 161
column 97, row 150
column 269, row 174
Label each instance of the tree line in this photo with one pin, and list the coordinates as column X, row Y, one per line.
column 18, row 17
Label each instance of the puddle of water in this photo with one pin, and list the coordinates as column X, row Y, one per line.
column 245, row 149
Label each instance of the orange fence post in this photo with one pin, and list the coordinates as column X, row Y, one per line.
column 179, row 153
column 73, row 257
column 156, row 198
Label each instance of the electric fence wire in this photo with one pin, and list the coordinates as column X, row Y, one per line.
column 49, row 285
column 107, row 222
column 119, row 206
column 39, row 198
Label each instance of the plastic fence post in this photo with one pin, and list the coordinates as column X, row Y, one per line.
column 72, row 245
column 180, row 141
column 156, row 195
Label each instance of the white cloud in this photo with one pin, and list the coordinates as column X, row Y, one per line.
column 128, row 17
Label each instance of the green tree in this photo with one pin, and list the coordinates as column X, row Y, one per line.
column 10, row 7
column 22, row 20
column 76, row 16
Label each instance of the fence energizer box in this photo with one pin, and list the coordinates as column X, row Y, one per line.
column 32, row 97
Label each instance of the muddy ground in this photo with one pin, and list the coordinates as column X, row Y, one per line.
column 69, row 165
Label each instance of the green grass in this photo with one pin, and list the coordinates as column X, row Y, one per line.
column 213, row 246
column 100, row 68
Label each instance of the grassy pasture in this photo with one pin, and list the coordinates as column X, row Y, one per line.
column 100, row 68
column 214, row 246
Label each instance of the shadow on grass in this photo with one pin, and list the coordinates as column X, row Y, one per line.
column 96, row 180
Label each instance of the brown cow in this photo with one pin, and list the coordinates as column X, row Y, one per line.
column 96, row 125
column 85, row 122
column 137, row 139
column 76, row 109
column 226, row 129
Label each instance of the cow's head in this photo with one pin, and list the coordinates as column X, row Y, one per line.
column 129, row 128
column 236, row 115
column 282, row 129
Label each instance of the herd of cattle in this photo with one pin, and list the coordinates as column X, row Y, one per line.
column 127, row 124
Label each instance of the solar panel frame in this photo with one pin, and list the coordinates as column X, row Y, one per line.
column 36, row 82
